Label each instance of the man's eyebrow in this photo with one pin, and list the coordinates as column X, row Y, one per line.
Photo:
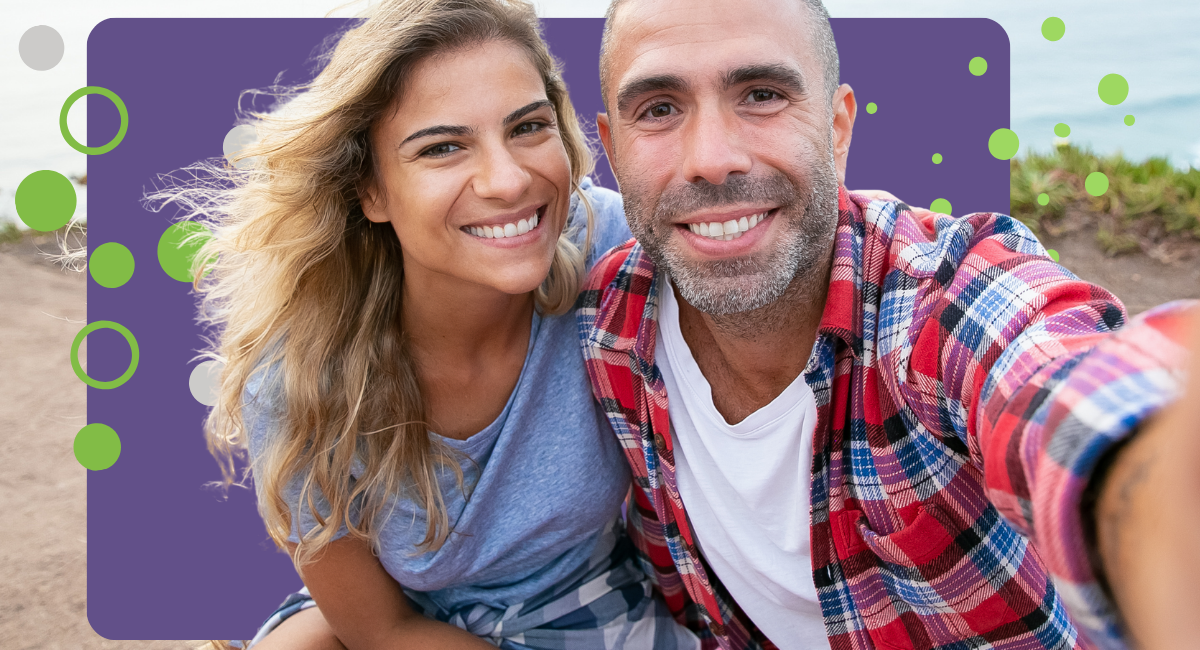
column 787, row 77
column 441, row 129
column 526, row 110
column 638, row 87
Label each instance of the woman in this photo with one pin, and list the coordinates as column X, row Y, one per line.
column 392, row 279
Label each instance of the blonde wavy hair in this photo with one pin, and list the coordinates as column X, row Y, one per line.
column 294, row 272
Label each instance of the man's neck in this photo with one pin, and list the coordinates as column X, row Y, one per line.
column 749, row 358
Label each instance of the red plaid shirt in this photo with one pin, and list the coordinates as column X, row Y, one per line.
column 966, row 386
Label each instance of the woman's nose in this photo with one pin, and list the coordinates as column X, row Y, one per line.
column 501, row 176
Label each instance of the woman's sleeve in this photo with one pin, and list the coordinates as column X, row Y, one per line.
column 262, row 412
column 609, row 228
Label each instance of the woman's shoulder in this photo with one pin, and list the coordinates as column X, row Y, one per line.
column 609, row 227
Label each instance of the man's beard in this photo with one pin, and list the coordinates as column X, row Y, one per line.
column 742, row 284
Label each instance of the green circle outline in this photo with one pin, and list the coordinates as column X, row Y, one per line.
column 133, row 349
column 66, row 132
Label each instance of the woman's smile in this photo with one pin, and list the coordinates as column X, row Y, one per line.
column 510, row 227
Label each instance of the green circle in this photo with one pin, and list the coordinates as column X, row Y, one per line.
column 937, row 158
column 1096, row 183
column 977, row 66
column 1113, row 89
column 97, row 446
column 1052, row 253
column 941, row 206
column 75, row 144
column 1053, row 28
column 176, row 253
column 871, row 108
column 45, row 200
column 135, row 354
column 1062, row 130
column 1128, row 120
column 1004, row 144
column 1043, row 199
column 111, row 265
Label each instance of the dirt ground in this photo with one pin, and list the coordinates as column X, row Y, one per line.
column 43, row 544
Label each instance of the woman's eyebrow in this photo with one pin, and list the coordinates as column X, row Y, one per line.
column 525, row 110
column 443, row 129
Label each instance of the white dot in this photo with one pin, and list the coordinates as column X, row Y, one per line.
column 205, row 382
column 238, row 138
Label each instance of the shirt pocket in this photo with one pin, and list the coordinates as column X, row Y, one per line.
column 917, row 588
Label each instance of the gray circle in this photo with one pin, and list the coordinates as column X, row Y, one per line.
column 41, row 47
column 238, row 138
column 205, row 382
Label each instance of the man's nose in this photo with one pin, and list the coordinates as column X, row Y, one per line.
column 713, row 149
column 501, row 176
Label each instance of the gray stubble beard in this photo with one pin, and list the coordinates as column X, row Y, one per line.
column 796, row 268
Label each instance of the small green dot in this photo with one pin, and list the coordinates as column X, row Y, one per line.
column 1052, row 253
column 111, row 265
column 871, row 108
column 45, row 200
column 1043, row 199
column 1113, row 89
column 977, row 66
column 941, row 206
column 1096, row 183
column 176, row 252
column 1128, row 120
column 1053, row 28
column 1004, row 144
column 97, row 446
column 1062, row 130
column 937, row 158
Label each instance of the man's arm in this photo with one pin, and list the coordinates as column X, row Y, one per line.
column 1148, row 522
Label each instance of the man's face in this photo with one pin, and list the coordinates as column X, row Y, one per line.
column 726, row 147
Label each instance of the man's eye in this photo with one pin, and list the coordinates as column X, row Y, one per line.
column 759, row 96
column 660, row 110
column 440, row 149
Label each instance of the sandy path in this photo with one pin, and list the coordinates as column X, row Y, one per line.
column 43, row 489
column 43, row 545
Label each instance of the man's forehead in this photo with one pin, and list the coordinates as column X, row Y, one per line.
column 703, row 37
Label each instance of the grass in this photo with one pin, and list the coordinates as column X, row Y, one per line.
column 1148, row 201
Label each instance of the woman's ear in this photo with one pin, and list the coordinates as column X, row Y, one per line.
column 373, row 205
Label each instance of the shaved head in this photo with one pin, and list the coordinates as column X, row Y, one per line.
column 819, row 33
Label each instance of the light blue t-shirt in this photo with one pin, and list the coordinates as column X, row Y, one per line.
column 548, row 473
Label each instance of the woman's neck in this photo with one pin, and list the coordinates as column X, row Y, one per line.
column 452, row 320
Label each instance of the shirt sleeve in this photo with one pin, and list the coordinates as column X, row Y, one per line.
column 1038, row 374
column 609, row 228
column 262, row 412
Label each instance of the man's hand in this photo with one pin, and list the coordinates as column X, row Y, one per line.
column 1148, row 522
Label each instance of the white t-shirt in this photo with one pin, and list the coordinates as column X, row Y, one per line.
column 746, row 490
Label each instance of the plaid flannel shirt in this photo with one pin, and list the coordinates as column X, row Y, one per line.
column 966, row 386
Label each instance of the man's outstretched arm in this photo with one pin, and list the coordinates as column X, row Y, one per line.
column 1147, row 522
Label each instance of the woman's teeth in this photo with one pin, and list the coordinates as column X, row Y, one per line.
column 507, row 230
column 728, row 230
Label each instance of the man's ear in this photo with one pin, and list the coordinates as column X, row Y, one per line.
column 602, row 127
column 845, row 108
column 372, row 202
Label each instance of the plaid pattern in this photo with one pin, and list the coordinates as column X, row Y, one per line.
column 608, row 605
column 966, row 386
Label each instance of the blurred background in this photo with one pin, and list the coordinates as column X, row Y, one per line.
column 1141, row 239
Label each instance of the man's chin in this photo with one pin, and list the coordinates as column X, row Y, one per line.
column 723, row 295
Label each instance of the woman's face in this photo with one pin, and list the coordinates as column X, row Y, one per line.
column 472, row 173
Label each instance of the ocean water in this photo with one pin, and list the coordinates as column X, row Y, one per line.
column 1154, row 44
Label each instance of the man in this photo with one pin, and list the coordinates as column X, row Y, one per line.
column 855, row 424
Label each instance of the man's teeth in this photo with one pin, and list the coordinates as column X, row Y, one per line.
column 507, row 230
column 728, row 230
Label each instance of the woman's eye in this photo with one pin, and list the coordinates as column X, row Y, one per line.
column 760, row 96
column 440, row 149
column 526, row 128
